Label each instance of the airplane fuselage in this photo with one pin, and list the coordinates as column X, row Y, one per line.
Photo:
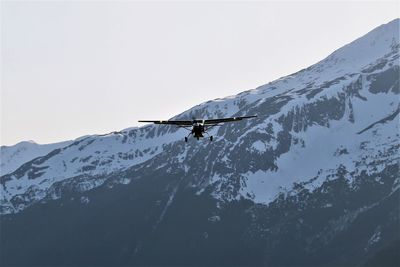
column 198, row 130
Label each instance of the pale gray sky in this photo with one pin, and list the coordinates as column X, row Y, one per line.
column 74, row 68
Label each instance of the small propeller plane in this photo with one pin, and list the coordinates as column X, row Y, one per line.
column 198, row 127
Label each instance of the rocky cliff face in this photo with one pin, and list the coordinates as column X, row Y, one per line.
column 313, row 180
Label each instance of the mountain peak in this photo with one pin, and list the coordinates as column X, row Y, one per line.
column 368, row 48
column 28, row 142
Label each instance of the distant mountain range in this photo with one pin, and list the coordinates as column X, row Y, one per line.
column 313, row 180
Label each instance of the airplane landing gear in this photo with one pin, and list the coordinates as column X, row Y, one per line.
column 186, row 139
column 211, row 138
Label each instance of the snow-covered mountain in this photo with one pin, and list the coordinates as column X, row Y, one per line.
column 329, row 130
column 14, row 156
column 309, row 121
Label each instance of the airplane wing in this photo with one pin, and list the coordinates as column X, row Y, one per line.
column 179, row 123
column 216, row 121
column 206, row 122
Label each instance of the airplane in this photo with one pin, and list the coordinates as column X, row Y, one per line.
column 198, row 127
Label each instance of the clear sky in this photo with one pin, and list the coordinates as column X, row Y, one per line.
column 75, row 68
